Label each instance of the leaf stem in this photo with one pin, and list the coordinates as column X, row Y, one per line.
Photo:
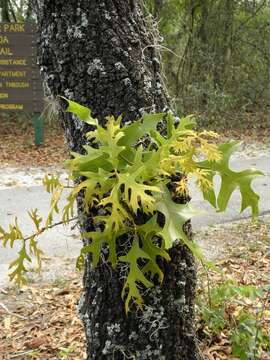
column 124, row 158
column 48, row 228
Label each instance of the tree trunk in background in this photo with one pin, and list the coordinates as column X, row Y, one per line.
column 95, row 52
column 225, row 43
column 158, row 7
column 204, row 46
column 5, row 11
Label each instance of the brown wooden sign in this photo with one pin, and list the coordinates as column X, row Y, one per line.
column 20, row 82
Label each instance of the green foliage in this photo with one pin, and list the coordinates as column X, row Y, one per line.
column 231, row 180
column 176, row 216
column 64, row 352
column 228, row 309
column 29, row 247
column 124, row 175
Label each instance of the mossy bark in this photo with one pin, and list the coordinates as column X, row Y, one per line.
column 100, row 53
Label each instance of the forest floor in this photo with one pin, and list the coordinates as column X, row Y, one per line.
column 17, row 148
column 40, row 321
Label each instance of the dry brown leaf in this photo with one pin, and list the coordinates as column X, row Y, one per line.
column 36, row 342
column 7, row 323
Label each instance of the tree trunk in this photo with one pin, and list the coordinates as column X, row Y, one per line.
column 97, row 53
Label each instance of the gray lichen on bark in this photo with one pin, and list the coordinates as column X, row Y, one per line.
column 99, row 53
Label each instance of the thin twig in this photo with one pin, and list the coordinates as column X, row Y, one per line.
column 250, row 18
column 160, row 47
column 124, row 158
column 208, row 285
column 22, row 353
column 49, row 227
column 11, row 313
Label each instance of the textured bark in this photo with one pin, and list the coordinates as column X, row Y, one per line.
column 97, row 53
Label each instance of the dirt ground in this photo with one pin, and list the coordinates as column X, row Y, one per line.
column 40, row 321
column 17, row 146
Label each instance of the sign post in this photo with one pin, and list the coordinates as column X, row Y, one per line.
column 39, row 128
column 20, row 82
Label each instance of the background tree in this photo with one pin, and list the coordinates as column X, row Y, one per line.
column 5, row 11
column 217, row 65
column 23, row 10
column 16, row 10
column 100, row 53
column 219, row 68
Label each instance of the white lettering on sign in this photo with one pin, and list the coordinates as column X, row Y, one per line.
column 11, row 106
column 17, row 84
column 5, row 51
column 17, row 62
column 12, row 73
column 13, row 27
column 4, row 40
